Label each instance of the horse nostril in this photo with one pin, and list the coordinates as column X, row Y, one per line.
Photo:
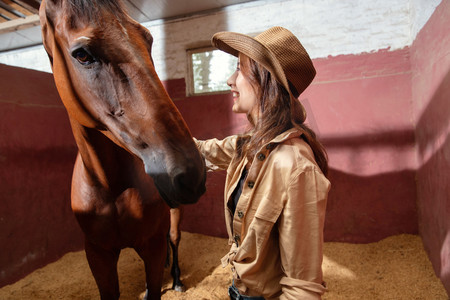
column 189, row 182
column 181, row 181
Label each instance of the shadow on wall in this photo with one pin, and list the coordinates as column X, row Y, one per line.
column 365, row 209
column 37, row 153
column 37, row 223
column 433, row 177
column 368, row 209
column 433, row 124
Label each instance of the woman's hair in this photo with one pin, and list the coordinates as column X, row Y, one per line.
column 274, row 114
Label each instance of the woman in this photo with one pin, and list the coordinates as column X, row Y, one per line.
column 276, row 189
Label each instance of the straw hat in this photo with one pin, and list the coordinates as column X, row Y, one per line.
column 280, row 52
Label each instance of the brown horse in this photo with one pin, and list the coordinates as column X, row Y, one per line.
column 134, row 148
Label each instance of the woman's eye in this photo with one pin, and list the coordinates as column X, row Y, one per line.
column 83, row 57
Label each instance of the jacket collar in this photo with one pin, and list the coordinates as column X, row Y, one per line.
column 294, row 132
column 288, row 134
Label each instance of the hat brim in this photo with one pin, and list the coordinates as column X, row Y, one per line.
column 235, row 43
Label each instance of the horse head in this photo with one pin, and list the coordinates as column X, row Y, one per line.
column 104, row 73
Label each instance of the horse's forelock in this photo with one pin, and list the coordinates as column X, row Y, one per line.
column 90, row 10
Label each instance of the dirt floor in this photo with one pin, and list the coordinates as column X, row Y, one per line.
column 394, row 268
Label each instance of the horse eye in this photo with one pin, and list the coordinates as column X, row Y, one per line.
column 83, row 57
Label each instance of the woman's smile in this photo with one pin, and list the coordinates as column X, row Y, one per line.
column 235, row 95
column 244, row 95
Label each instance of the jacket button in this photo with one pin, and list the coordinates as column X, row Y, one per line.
column 240, row 214
column 261, row 156
column 251, row 184
column 269, row 146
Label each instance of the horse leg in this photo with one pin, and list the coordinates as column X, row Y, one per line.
column 103, row 264
column 174, row 239
column 153, row 254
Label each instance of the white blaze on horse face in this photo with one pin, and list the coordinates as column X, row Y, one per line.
column 153, row 158
column 83, row 38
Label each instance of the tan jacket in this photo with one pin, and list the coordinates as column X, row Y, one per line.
column 277, row 230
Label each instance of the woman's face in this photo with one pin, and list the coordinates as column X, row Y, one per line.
column 244, row 95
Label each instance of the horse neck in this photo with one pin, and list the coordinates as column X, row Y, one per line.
column 104, row 162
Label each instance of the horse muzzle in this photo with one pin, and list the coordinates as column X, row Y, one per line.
column 183, row 184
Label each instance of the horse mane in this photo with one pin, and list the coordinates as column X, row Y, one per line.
column 91, row 10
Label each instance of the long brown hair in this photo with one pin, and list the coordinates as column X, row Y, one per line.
column 274, row 114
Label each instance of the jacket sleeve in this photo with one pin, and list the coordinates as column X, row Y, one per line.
column 301, row 236
column 217, row 153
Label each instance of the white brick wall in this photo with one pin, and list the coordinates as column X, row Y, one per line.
column 325, row 27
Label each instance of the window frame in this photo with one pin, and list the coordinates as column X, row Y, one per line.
column 190, row 88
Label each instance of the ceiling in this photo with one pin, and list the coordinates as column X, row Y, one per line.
column 19, row 21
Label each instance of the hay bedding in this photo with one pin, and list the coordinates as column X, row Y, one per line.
column 394, row 268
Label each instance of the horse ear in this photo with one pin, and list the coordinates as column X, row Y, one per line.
column 46, row 30
column 47, row 14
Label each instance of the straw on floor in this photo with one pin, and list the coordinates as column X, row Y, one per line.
column 394, row 268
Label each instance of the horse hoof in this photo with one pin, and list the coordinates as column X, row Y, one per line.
column 179, row 288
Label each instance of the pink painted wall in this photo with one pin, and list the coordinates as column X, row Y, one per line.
column 431, row 99
column 360, row 106
column 37, row 153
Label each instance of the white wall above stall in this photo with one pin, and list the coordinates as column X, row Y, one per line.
column 325, row 27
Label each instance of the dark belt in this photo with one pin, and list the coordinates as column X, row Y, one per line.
column 234, row 294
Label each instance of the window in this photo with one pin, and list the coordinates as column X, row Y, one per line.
column 209, row 70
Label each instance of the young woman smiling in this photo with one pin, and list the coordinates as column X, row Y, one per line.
column 276, row 187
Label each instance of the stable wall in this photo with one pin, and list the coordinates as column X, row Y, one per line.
column 360, row 107
column 37, row 153
column 431, row 100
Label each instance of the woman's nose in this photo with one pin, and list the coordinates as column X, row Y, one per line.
column 232, row 80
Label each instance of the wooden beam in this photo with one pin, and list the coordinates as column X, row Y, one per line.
column 8, row 14
column 31, row 5
column 19, row 24
column 18, row 8
column 3, row 20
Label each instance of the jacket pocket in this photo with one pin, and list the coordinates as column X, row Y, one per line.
column 260, row 228
column 268, row 210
